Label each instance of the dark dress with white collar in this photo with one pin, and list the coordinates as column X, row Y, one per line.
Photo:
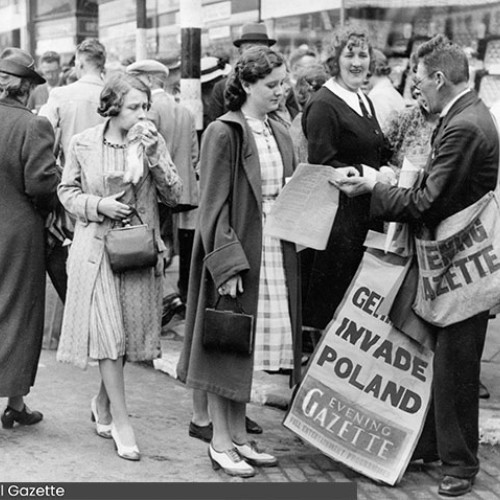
column 338, row 136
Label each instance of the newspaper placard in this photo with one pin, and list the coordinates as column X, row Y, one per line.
column 459, row 270
column 366, row 392
column 306, row 207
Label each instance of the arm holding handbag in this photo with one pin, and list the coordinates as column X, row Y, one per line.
column 229, row 330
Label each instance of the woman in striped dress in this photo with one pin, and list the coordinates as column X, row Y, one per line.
column 245, row 159
column 108, row 316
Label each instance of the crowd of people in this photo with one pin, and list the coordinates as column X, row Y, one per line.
column 91, row 150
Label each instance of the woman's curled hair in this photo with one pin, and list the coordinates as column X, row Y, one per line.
column 114, row 91
column 254, row 64
column 350, row 36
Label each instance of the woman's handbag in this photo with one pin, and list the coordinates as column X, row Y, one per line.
column 228, row 331
column 131, row 247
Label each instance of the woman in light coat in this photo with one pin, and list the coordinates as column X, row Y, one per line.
column 108, row 316
column 245, row 159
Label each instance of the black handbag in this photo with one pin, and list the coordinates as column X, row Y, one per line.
column 228, row 331
column 131, row 247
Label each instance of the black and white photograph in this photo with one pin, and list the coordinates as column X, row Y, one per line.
column 248, row 249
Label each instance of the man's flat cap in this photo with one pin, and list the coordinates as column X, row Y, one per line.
column 147, row 66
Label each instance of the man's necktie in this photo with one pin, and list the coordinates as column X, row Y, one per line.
column 436, row 128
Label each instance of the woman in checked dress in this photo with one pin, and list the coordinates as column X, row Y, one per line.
column 245, row 159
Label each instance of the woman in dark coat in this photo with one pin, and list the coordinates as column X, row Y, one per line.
column 231, row 256
column 28, row 182
column 341, row 128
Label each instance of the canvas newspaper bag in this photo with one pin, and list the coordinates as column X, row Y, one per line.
column 459, row 270
column 365, row 395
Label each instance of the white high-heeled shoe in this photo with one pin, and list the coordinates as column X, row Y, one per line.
column 126, row 452
column 103, row 430
column 230, row 462
column 251, row 453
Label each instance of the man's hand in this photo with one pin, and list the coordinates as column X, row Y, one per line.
column 343, row 173
column 386, row 175
column 355, row 186
column 347, row 171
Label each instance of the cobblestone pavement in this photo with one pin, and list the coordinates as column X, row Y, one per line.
column 64, row 447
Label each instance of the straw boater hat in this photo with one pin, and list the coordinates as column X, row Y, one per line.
column 254, row 32
column 18, row 62
column 212, row 68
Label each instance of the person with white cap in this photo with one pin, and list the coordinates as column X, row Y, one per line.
column 177, row 126
column 28, row 183
column 213, row 70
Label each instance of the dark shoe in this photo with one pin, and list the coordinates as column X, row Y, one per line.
column 252, row 427
column 23, row 417
column 203, row 432
column 426, row 459
column 483, row 391
column 455, row 486
column 172, row 305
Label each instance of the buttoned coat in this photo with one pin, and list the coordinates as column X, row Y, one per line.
column 228, row 242
column 338, row 136
column 83, row 185
column 28, row 182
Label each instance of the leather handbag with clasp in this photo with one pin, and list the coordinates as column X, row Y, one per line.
column 131, row 247
column 228, row 331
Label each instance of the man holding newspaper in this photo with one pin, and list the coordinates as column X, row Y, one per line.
column 461, row 169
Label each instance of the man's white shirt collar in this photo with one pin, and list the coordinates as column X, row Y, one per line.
column 452, row 102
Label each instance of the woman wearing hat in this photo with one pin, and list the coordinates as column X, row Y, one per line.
column 28, row 183
column 245, row 158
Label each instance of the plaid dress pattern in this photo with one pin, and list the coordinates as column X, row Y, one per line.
column 273, row 336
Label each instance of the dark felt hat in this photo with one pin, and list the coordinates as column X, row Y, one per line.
column 254, row 32
column 18, row 62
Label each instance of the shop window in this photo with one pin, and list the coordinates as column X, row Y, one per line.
column 45, row 8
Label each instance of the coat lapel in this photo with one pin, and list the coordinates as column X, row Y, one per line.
column 457, row 107
column 93, row 160
column 246, row 151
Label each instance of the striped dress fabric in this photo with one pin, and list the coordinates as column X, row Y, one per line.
column 107, row 338
column 273, row 336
